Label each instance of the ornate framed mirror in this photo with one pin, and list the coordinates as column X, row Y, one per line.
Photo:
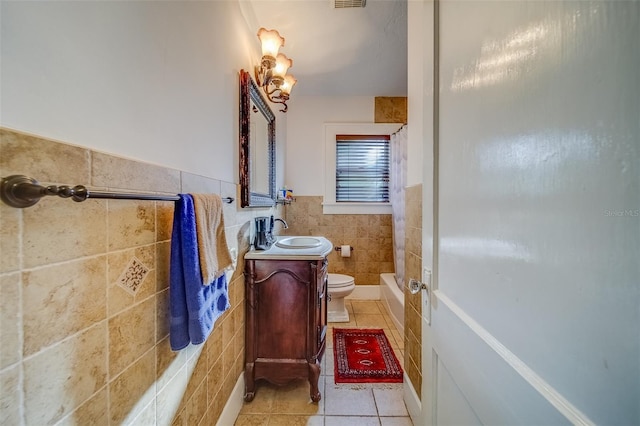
column 257, row 146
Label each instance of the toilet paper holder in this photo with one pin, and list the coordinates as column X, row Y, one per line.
column 340, row 248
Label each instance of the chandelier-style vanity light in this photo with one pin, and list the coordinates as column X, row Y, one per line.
column 272, row 75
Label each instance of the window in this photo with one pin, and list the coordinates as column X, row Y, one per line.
column 362, row 168
column 332, row 132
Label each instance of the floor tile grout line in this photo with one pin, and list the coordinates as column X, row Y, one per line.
column 327, row 374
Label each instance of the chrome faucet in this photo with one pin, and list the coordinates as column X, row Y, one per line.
column 284, row 224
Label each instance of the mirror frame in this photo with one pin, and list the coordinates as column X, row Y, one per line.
column 249, row 92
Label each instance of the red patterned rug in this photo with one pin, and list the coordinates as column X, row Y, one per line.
column 364, row 356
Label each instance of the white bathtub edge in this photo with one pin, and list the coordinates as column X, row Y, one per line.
column 393, row 299
column 365, row 292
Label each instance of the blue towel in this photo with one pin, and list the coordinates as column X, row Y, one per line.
column 194, row 307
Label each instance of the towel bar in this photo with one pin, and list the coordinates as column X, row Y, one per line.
column 21, row 191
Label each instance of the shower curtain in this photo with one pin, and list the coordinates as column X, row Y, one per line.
column 398, row 182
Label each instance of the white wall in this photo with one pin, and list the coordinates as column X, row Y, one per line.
column 304, row 170
column 153, row 81
column 539, row 214
column 420, row 88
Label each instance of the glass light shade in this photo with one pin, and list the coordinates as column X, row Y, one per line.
column 282, row 65
column 289, row 82
column 271, row 42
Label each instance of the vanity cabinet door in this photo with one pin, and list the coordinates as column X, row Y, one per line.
column 281, row 315
column 286, row 322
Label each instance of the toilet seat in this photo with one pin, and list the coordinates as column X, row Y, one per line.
column 339, row 280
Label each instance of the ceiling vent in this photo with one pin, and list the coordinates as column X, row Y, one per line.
column 341, row 4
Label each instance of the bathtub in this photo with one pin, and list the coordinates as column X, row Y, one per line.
column 393, row 299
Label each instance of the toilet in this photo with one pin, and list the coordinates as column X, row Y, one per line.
column 340, row 286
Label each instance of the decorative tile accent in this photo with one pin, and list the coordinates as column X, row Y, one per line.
column 120, row 296
column 133, row 276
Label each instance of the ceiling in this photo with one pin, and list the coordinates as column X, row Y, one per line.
column 340, row 52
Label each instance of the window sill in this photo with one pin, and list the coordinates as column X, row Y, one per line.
column 356, row 208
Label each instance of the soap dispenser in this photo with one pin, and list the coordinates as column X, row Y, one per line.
column 263, row 238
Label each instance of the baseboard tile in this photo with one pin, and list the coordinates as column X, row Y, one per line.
column 234, row 404
column 412, row 401
column 365, row 292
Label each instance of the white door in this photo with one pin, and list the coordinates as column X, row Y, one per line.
column 532, row 225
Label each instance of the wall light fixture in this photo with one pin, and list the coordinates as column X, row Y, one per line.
column 272, row 75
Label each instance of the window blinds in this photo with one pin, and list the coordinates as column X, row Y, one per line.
column 362, row 168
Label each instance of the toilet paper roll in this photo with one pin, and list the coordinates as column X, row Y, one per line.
column 345, row 251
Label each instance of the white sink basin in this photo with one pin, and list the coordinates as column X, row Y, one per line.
column 294, row 248
column 298, row 242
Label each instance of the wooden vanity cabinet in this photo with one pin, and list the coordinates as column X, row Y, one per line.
column 286, row 322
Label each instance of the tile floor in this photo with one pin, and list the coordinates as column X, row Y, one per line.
column 367, row 404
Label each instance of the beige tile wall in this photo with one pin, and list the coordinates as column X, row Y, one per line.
column 413, row 305
column 369, row 235
column 76, row 347
column 390, row 109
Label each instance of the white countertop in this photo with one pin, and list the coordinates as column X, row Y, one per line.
column 279, row 253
